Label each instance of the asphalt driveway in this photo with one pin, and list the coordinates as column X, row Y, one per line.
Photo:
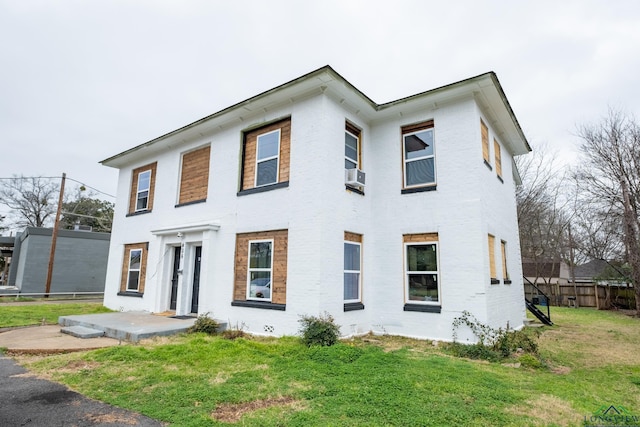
column 26, row 400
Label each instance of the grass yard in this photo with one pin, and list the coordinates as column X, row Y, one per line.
column 25, row 315
column 589, row 359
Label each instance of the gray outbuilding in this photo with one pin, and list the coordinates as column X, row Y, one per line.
column 80, row 261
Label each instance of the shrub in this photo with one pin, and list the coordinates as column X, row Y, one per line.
column 473, row 351
column 232, row 334
column 493, row 344
column 530, row 361
column 204, row 324
column 319, row 330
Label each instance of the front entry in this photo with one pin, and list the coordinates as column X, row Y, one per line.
column 196, row 280
column 174, row 278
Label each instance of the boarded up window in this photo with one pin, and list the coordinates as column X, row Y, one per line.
column 134, row 267
column 265, row 155
column 492, row 256
column 143, row 181
column 253, row 250
column 485, row 141
column 194, row 176
column 503, row 249
column 498, row 157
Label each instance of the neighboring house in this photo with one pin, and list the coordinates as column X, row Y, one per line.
column 545, row 271
column 80, row 262
column 260, row 213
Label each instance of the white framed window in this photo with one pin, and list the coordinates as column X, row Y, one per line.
column 352, row 270
column 419, row 158
column 267, row 158
column 142, row 190
column 351, row 150
column 133, row 274
column 260, row 270
column 422, row 284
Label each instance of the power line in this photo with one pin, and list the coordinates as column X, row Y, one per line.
column 57, row 177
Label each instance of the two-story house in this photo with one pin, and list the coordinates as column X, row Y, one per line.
column 312, row 198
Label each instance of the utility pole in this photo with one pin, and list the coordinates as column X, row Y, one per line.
column 54, row 238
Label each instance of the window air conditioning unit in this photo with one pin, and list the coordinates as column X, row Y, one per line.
column 354, row 177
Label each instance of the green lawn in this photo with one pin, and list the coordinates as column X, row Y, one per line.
column 590, row 359
column 34, row 313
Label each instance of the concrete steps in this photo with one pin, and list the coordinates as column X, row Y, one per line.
column 82, row 332
column 128, row 326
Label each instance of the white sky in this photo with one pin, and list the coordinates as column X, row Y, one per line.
column 81, row 81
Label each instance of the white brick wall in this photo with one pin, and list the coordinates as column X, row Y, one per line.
column 316, row 209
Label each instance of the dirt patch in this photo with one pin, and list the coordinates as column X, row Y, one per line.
column 111, row 418
column 547, row 410
column 560, row 370
column 231, row 413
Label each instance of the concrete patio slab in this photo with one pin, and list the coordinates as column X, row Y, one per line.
column 130, row 326
column 48, row 339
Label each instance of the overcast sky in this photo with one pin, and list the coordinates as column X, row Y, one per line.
column 81, row 81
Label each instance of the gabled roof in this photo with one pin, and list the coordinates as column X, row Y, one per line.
column 591, row 269
column 485, row 88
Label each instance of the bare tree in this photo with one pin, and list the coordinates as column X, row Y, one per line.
column 32, row 200
column 610, row 175
column 542, row 214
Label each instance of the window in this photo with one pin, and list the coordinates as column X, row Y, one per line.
column 135, row 260
column 418, row 146
column 492, row 259
column 260, row 269
column 421, row 269
column 133, row 268
column 485, row 142
column 142, row 197
column 351, row 147
column 142, row 185
column 498, row 158
column 352, row 267
column 265, row 158
column 505, row 272
column 194, row 176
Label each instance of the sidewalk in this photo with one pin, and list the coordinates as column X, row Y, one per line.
column 48, row 339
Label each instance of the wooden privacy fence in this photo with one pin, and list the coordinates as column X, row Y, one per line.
column 587, row 295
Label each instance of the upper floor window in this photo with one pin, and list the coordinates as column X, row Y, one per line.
column 418, row 146
column 351, row 147
column 142, row 185
column 142, row 195
column 484, row 132
column 194, row 176
column 265, row 157
column 498, row 158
